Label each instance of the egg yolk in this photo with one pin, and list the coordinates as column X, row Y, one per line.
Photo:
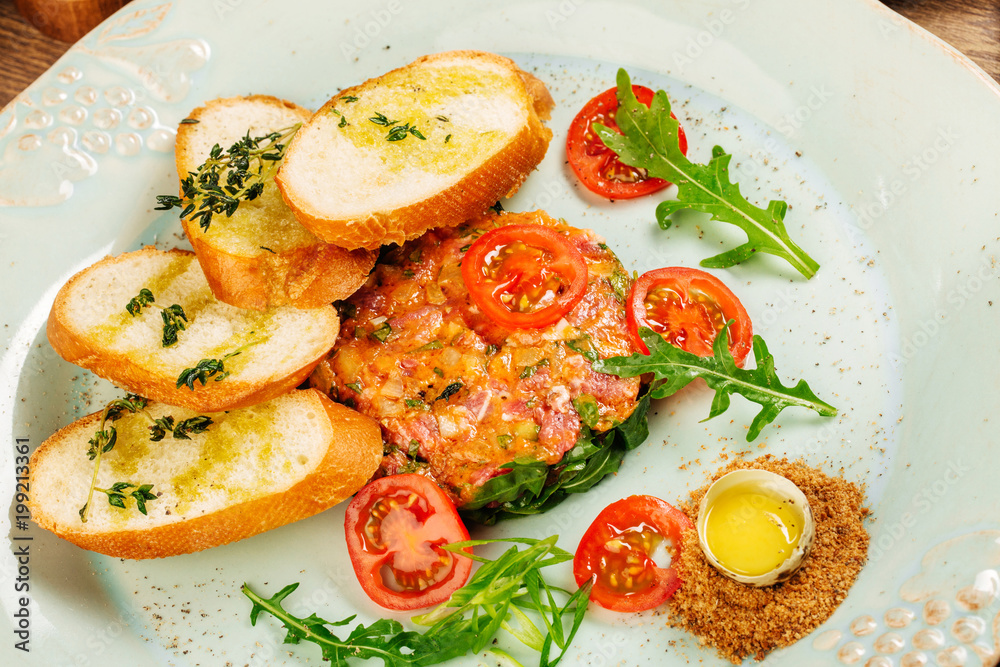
column 750, row 531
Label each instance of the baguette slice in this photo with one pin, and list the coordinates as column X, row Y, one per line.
column 261, row 256
column 254, row 469
column 480, row 117
column 89, row 326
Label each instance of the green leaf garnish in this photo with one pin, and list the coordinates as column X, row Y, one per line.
column 173, row 321
column 382, row 332
column 426, row 347
column 117, row 495
column 649, row 141
column 586, row 406
column 104, row 441
column 673, row 368
column 143, row 299
column 449, row 391
column 531, row 487
column 173, row 316
column 382, row 119
column 512, row 586
column 584, row 347
column 528, row 371
column 229, row 177
column 202, row 372
column 180, row 431
column 207, row 369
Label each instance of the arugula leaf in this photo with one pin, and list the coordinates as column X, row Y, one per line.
column 510, row 586
column 383, row 639
column 673, row 368
column 650, row 142
column 531, row 487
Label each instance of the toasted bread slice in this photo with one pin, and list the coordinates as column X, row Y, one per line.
column 274, row 349
column 253, row 469
column 261, row 256
column 431, row 144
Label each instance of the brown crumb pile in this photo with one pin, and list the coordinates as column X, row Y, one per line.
column 741, row 620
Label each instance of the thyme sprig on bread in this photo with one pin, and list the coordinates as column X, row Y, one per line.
column 105, row 439
column 174, row 317
column 207, row 369
column 243, row 169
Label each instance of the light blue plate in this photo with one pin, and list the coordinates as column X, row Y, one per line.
column 883, row 141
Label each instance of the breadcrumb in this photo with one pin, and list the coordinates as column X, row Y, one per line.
column 741, row 620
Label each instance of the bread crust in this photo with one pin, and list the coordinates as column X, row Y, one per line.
column 307, row 276
column 124, row 370
column 474, row 193
column 352, row 457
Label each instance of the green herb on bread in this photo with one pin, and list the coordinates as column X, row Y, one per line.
column 229, row 177
column 208, row 369
column 173, row 316
column 106, row 438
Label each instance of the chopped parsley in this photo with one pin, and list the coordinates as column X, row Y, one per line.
column 382, row 332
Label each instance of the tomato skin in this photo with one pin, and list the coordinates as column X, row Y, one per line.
column 621, row 532
column 424, row 519
column 703, row 303
column 499, row 267
column 596, row 165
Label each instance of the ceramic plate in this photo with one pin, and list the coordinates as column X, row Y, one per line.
column 883, row 141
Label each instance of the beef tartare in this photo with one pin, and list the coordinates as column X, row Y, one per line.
column 457, row 394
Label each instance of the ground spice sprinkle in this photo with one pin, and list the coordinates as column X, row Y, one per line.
column 741, row 620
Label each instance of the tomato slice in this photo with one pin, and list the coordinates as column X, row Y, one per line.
column 688, row 307
column 616, row 554
column 395, row 528
column 524, row 276
column 596, row 165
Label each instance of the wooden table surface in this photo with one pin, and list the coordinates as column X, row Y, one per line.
column 972, row 26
